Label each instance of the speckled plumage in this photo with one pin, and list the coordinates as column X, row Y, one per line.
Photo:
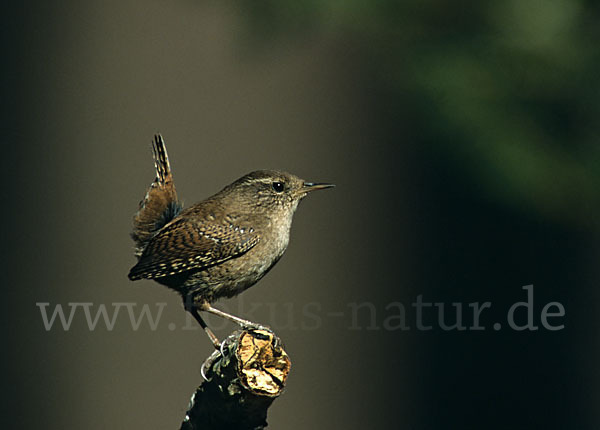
column 222, row 245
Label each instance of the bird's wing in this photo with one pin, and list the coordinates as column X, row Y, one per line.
column 184, row 245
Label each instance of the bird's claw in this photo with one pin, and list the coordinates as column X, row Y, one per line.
column 254, row 326
column 250, row 326
column 276, row 342
column 208, row 364
column 223, row 348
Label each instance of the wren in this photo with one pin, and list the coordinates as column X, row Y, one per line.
column 220, row 246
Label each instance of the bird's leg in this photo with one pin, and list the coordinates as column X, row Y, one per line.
column 206, row 307
column 191, row 308
column 214, row 340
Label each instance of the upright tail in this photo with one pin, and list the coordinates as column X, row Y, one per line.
column 160, row 204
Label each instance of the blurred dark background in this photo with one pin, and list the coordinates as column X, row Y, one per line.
column 464, row 140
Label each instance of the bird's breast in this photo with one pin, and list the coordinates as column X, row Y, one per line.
column 237, row 274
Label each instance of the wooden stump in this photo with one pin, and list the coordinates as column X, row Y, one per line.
column 243, row 379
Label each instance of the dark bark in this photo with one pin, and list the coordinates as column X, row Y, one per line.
column 242, row 383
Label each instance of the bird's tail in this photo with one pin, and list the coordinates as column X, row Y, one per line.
column 160, row 204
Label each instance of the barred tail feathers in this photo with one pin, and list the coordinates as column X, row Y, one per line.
column 160, row 205
column 161, row 161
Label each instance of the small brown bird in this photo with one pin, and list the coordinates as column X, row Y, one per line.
column 220, row 246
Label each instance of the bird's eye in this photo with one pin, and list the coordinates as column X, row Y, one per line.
column 278, row 186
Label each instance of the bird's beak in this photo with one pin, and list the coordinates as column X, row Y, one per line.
column 311, row 186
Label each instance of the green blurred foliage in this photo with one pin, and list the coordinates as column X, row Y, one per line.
column 509, row 90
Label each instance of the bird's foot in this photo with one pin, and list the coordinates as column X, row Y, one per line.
column 254, row 327
column 249, row 325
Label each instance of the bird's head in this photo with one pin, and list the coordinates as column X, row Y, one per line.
column 270, row 190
